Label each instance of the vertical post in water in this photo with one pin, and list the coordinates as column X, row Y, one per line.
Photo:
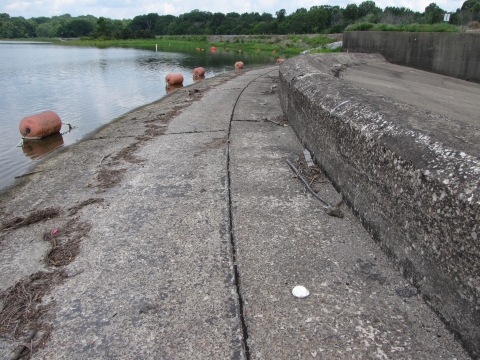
column 156, row 45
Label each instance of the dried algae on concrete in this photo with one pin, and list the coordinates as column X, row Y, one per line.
column 32, row 218
column 25, row 311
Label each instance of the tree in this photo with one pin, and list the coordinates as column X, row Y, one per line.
column 144, row 22
column 369, row 10
column 316, row 20
column 102, row 27
column 350, row 13
column 399, row 15
column 45, row 30
column 469, row 4
column 336, row 22
column 78, row 27
column 433, row 14
column 161, row 26
column 281, row 15
column 295, row 23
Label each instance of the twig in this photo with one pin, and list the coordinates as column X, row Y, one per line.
column 28, row 174
column 332, row 210
column 18, row 354
column 276, row 123
column 306, row 184
column 103, row 157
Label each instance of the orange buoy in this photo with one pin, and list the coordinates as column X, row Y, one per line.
column 280, row 60
column 214, row 48
column 238, row 65
column 174, row 79
column 198, row 71
column 198, row 49
column 40, row 125
column 239, row 50
column 274, row 51
column 226, row 49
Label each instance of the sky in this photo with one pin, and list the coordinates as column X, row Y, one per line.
column 128, row 9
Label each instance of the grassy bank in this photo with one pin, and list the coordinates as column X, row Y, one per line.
column 366, row 26
column 285, row 46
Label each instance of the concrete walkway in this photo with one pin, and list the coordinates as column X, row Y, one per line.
column 192, row 232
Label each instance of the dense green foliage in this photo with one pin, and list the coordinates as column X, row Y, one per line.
column 366, row 26
column 274, row 45
column 318, row 19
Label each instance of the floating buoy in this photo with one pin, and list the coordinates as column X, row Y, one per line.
column 238, row 65
column 280, row 60
column 40, row 125
column 214, row 48
column 274, row 51
column 198, row 49
column 198, row 71
column 239, row 50
column 174, row 79
column 226, row 49
column 203, row 49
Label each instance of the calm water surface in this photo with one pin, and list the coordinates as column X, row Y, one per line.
column 86, row 87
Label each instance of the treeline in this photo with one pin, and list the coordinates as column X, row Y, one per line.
column 318, row 19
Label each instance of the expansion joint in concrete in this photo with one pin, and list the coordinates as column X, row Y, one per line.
column 195, row 132
column 232, row 235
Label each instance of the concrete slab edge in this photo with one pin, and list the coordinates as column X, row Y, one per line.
column 420, row 199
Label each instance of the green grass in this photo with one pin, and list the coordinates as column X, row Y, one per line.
column 35, row 39
column 312, row 41
column 440, row 27
column 325, row 50
column 290, row 46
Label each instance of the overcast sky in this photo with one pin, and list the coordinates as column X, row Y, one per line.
column 128, row 9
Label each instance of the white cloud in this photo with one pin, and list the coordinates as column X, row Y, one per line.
column 120, row 9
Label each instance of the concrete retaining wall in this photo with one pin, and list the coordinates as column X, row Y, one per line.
column 418, row 198
column 451, row 54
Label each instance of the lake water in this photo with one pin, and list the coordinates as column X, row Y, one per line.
column 87, row 87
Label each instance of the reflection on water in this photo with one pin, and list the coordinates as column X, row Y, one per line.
column 36, row 149
column 173, row 87
column 88, row 87
column 198, row 78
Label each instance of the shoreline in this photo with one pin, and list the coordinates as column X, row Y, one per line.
column 32, row 168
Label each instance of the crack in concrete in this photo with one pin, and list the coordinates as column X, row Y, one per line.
column 231, row 232
column 195, row 132
column 249, row 120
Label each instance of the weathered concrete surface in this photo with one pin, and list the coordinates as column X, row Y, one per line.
column 451, row 54
column 196, row 247
column 408, row 168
